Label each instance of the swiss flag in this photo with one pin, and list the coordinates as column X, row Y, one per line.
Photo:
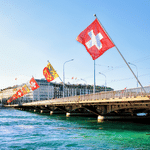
column 95, row 40
column 19, row 93
column 15, row 96
column 33, row 84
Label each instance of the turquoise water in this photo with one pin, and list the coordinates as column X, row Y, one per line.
column 26, row 130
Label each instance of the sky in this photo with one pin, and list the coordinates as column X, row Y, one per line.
column 35, row 31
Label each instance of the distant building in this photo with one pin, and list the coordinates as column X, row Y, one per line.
column 51, row 90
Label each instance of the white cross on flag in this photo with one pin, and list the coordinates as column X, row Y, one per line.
column 33, row 84
column 95, row 40
column 19, row 93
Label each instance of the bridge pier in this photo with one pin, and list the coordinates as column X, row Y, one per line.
column 44, row 111
column 51, row 112
column 56, row 112
column 134, row 117
column 100, row 118
column 67, row 114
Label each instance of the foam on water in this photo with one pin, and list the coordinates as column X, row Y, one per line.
column 25, row 130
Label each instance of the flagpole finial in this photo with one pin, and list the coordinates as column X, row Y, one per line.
column 95, row 15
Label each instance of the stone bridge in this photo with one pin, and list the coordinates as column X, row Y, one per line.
column 125, row 103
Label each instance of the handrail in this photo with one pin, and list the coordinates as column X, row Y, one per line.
column 134, row 92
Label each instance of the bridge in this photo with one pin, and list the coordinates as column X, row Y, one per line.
column 119, row 104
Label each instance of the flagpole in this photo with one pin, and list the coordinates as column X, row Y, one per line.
column 94, row 79
column 120, row 54
column 60, row 79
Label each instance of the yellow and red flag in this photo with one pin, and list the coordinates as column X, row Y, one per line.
column 25, row 89
column 50, row 73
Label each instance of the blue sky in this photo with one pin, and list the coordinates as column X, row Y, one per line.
column 32, row 32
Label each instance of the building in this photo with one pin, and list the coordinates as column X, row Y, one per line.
column 50, row 90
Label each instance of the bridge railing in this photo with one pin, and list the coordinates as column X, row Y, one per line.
column 134, row 92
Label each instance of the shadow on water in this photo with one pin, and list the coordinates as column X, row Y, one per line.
column 91, row 122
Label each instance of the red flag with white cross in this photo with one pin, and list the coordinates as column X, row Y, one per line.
column 33, row 84
column 19, row 93
column 15, row 96
column 10, row 100
column 95, row 40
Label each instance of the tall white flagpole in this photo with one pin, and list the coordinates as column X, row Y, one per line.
column 94, row 79
column 120, row 54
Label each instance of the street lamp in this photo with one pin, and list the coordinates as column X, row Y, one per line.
column 64, row 74
column 105, row 79
column 136, row 70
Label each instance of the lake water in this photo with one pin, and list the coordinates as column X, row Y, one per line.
column 26, row 130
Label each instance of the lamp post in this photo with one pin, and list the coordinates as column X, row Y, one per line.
column 64, row 74
column 136, row 70
column 105, row 79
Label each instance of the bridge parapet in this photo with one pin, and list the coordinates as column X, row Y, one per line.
column 108, row 95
